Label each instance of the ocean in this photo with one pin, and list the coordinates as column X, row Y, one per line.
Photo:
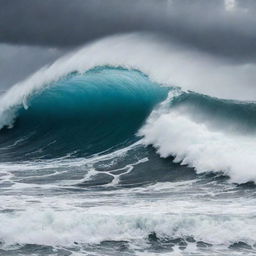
column 105, row 156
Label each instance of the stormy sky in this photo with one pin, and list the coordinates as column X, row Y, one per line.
column 36, row 32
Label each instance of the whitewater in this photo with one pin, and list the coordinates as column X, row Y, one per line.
column 130, row 145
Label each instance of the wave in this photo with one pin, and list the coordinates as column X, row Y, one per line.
column 80, row 114
column 96, row 100
column 207, row 134
column 77, row 227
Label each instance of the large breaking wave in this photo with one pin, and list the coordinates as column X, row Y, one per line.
column 80, row 114
column 81, row 106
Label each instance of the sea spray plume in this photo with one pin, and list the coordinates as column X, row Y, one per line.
column 164, row 63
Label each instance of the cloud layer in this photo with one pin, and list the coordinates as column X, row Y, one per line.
column 222, row 27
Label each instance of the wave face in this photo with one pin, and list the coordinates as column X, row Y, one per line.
column 81, row 114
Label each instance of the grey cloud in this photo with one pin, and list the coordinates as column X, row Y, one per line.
column 18, row 62
column 202, row 24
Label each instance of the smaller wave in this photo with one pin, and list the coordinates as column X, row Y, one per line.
column 210, row 135
column 230, row 115
column 69, row 228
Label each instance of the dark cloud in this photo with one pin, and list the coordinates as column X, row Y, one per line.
column 203, row 24
column 18, row 62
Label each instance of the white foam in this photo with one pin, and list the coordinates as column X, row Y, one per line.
column 63, row 228
column 197, row 146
